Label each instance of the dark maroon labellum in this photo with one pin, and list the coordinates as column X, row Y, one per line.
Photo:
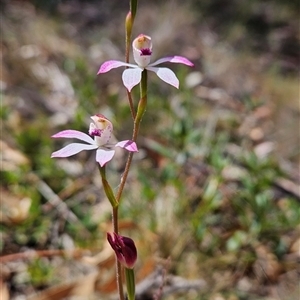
column 95, row 132
column 145, row 52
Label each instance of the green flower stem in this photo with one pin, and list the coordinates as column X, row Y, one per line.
column 143, row 100
column 140, row 112
column 108, row 190
column 130, row 283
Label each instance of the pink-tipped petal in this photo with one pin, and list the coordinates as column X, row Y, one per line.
column 166, row 75
column 128, row 145
column 71, row 134
column 72, row 149
column 104, row 156
column 131, row 77
column 112, row 64
column 173, row 59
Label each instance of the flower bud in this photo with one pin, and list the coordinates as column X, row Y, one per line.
column 142, row 50
column 128, row 24
column 124, row 248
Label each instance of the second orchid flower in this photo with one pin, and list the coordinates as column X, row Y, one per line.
column 101, row 129
column 142, row 51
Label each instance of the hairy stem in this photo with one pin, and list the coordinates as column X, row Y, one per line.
column 128, row 27
column 140, row 112
column 137, row 120
column 118, row 265
column 129, row 96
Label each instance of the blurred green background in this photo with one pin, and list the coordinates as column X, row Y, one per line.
column 213, row 193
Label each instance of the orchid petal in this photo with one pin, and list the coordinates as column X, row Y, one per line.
column 128, row 145
column 131, row 77
column 70, row 134
column 173, row 59
column 72, row 149
column 166, row 75
column 104, row 156
column 112, row 64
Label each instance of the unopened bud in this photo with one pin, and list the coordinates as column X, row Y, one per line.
column 124, row 248
column 128, row 24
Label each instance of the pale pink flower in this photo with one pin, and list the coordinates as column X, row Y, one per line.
column 142, row 51
column 101, row 129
